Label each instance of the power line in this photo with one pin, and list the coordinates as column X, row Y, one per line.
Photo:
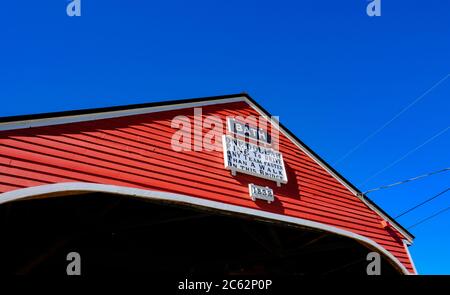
column 391, row 120
column 423, row 203
column 430, row 217
column 406, row 155
column 406, row 181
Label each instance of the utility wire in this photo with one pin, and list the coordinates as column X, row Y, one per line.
column 423, row 203
column 430, row 217
column 406, row 155
column 391, row 120
column 406, row 181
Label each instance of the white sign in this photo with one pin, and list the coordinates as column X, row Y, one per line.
column 260, row 192
column 248, row 158
column 248, row 131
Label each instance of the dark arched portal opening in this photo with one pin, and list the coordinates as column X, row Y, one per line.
column 121, row 235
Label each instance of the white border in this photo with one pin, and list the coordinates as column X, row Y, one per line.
column 113, row 114
column 82, row 187
column 181, row 105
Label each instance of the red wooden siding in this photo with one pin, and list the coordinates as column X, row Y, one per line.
column 135, row 151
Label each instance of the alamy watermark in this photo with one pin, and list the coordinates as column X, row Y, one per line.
column 74, row 8
column 374, row 266
column 374, row 8
column 200, row 133
column 74, row 266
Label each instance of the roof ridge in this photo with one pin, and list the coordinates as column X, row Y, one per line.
column 15, row 118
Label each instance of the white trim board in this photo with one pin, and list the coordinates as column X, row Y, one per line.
column 147, row 110
column 82, row 187
column 111, row 114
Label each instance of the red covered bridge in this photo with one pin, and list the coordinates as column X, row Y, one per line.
column 108, row 184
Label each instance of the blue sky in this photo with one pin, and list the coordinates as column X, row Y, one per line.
column 332, row 74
